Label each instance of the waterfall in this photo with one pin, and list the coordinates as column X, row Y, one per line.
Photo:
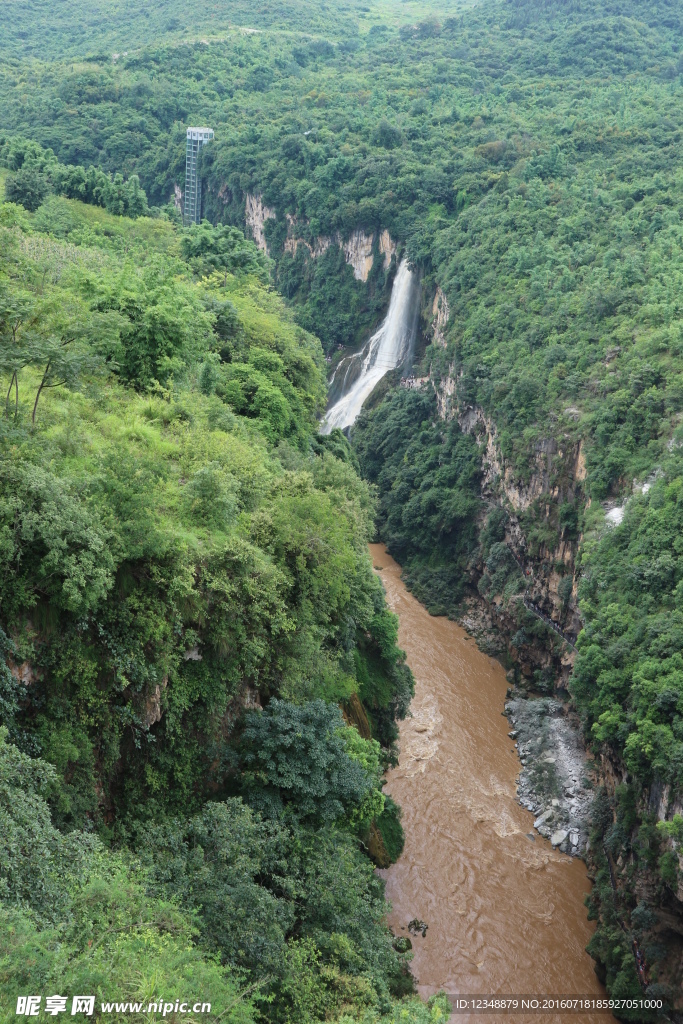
column 390, row 345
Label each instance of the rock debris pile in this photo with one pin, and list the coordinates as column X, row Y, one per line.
column 555, row 782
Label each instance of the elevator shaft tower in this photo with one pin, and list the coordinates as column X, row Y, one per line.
column 192, row 207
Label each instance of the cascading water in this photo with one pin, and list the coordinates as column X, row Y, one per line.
column 389, row 346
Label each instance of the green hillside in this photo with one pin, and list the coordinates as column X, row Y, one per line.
column 525, row 156
column 179, row 548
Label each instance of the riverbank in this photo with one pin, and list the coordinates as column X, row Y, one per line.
column 556, row 782
column 558, row 777
column 503, row 910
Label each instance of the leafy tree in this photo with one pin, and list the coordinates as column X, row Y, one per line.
column 211, row 497
column 19, row 317
column 389, row 825
column 9, row 686
column 66, row 349
column 27, row 187
column 161, row 326
column 435, row 1011
column 55, row 548
column 37, row 863
column 297, row 759
column 74, row 917
column 37, row 171
column 207, row 248
column 215, row 864
column 673, row 828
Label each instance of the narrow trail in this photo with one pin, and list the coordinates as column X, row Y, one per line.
column 540, row 614
column 536, row 609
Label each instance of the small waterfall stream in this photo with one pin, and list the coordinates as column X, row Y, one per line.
column 390, row 345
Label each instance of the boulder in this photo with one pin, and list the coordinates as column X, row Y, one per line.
column 557, row 838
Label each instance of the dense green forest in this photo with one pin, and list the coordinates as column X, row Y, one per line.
column 525, row 155
column 180, row 549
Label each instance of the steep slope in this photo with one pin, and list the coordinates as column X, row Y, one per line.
column 189, row 622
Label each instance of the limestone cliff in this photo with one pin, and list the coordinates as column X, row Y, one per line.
column 387, row 247
column 557, row 475
column 666, row 803
column 444, row 383
column 357, row 248
column 440, row 317
column 549, row 570
column 358, row 252
column 292, row 242
column 256, row 215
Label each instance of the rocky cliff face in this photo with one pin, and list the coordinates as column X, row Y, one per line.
column 358, row 248
column 666, row 803
column 440, row 316
column 549, row 567
column 320, row 244
column 256, row 215
column 532, row 629
column 358, row 253
column 387, row 247
column 557, row 476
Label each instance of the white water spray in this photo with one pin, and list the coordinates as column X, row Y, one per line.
column 390, row 345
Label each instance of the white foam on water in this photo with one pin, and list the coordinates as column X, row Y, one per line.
column 615, row 515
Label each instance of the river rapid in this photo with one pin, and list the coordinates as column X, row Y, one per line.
column 504, row 911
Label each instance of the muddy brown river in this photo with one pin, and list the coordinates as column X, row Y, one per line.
column 504, row 911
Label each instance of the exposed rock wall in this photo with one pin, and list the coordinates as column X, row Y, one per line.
column 256, row 215
column 358, row 252
column 320, row 244
column 556, row 477
column 440, row 317
column 25, row 673
column 444, row 385
column 387, row 247
column 358, row 248
column 152, row 708
column 446, row 396
column 666, row 803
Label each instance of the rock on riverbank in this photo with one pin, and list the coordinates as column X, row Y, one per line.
column 555, row 782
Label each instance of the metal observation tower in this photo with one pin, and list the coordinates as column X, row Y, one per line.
column 192, row 208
